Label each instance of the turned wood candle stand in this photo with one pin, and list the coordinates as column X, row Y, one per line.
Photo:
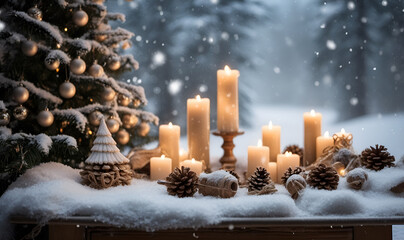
column 228, row 160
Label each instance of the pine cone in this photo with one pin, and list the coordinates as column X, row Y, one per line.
column 182, row 183
column 377, row 158
column 323, row 177
column 258, row 180
column 290, row 172
column 295, row 149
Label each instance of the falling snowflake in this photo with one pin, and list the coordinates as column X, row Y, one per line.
column 322, row 25
column 138, row 38
column 225, row 36
column 351, row 5
column 393, row 68
column 364, row 20
column 158, row 58
column 327, row 80
column 203, row 88
column 277, row 70
column 374, row 69
column 331, row 45
column 316, row 83
column 214, row 1
column 2, row 26
column 354, row 101
column 211, row 40
column 156, row 90
column 348, row 87
column 174, row 87
column 384, row 3
column 317, row 53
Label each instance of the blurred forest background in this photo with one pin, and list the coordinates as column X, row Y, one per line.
column 339, row 54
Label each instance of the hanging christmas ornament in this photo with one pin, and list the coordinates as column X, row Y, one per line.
column 20, row 113
column 95, row 118
column 114, row 63
column 113, row 125
column 45, row 118
column 20, row 94
column 123, row 100
column 129, row 121
column 122, row 137
column 143, row 129
column 52, row 64
column 34, row 12
column 67, row 90
column 136, row 102
column 4, row 117
column 80, row 18
column 96, row 70
column 77, row 66
column 108, row 94
column 100, row 37
column 29, row 48
column 126, row 45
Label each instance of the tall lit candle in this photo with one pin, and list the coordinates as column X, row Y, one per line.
column 195, row 166
column 271, row 137
column 160, row 167
column 258, row 156
column 169, row 138
column 198, row 121
column 312, row 129
column 285, row 161
column 273, row 171
column 227, row 100
column 323, row 142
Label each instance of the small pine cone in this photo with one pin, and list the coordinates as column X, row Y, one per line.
column 323, row 177
column 181, row 182
column 290, row 172
column 377, row 158
column 258, row 180
column 295, row 149
column 235, row 175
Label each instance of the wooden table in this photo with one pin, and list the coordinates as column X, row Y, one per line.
column 80, row 227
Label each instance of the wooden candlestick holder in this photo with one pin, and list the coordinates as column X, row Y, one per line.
column 228, row 160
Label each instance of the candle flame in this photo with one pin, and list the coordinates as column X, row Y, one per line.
column 287, row 153
column 193, row 160
column 198, row 97
column 170, row 125
column 227, row 69
column 326, row 134
column 312, row 112
column 163, row 156
column 343, row 130
column 182, row 151
column 270, row 125
column 259, row 144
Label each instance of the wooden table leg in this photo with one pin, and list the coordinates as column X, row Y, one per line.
column 373, row 233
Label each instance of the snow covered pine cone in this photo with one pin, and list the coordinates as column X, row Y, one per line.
column 377, row 158
column 295, row 149
column 323, row 177
column 181, row 182
column 260, row 183
column 290, row 172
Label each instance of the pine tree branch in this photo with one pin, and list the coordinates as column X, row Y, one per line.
column 137, row 91
column 73, row 116
column 116, row 16
column 80, row 79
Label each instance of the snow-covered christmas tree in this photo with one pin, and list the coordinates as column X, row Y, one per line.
column 57, row 63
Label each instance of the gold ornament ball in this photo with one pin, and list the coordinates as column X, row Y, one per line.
column 114, row 63
column 80, row 18
column 29, row 48
column 67, row 90
column 122, row 137
column 20, row 113
column 4, row 118
column 126, row 45
column 108, row 94
column 129, row 121
column 95, row 118
column 77, row 66
column 100, row 37
column 123, row 100
column 96, row 70
column 20, row 94
column 143, row 129
column 45, row 118
column 113, row 125
column 137, row 102
column 52, row 64
column 34, row 12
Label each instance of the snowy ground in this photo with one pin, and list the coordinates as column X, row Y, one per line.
column 146, row 205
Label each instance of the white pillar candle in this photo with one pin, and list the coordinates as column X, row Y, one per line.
column 285, row 161
column 273, row 171
column 227, row 100
column 169, row 138
column 160, row 168
column 195, row 166
column 198, row 121
column 323, row 142
column 312, row 129
column 258, row 156
column 183, row 155
column 271, row 137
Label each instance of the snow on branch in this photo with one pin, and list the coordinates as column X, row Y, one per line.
column 116, row 16
column 143, row 115
column 77, row 117
column 57, row 54
column 80, row 46
column 129, row 59
column 43, row 94
column 137, row 91
column 114, row 36
column 68, row 140
column 4, row 132
column 2, row 106
column 43, row 142
column 40, row 27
